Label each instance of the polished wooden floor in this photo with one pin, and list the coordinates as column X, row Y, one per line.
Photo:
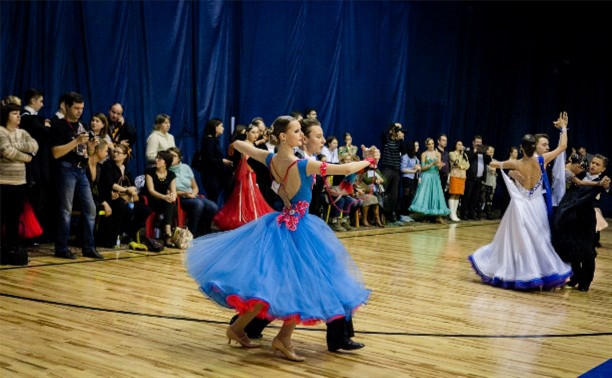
column 140, row 314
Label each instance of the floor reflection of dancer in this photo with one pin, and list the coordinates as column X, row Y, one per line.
column 286, row 265
column 246, row 202
column 521, row 255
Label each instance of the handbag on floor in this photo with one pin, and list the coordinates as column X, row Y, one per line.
column 182, row 237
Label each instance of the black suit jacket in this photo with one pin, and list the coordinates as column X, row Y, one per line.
column 473, row 158
column 38, row 169
column 125, row 131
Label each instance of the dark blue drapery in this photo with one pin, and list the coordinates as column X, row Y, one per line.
column 496, row 69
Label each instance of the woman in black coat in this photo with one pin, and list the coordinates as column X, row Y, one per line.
column 214, row 168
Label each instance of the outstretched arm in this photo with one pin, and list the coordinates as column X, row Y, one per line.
column 508, row 164
column 561, row 124
column 605, row 182
column 314, row 167
column 254, row 152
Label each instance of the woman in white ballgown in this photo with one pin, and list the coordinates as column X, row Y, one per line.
column 521, row 255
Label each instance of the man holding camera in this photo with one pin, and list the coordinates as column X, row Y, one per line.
column 69, row 142
column 475, row 175
column 389, row 164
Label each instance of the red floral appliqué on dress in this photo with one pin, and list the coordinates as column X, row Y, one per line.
column 290, row 217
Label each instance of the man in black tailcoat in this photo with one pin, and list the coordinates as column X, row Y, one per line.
column 573, row 226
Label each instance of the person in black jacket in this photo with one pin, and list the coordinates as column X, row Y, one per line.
column 119, row 130
column 475, row 175
column 573, row 226
column 129, row 213
column 390, row 161
column 214, row 168
column 40, row 185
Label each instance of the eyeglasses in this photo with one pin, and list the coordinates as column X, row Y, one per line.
column 117, row 152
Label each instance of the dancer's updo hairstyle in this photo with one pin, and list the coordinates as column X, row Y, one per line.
column 528, row 143
column 308, row 124
column 279, row 126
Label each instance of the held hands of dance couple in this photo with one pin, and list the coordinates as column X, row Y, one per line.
column 524, row 175
column 246, row 269
column 561, row 124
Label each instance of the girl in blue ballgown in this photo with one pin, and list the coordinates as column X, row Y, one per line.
column 285, row 265
column 429, row 198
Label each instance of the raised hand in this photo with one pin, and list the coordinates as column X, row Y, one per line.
column 562, row 121
column 364, row 151
column 372, row 152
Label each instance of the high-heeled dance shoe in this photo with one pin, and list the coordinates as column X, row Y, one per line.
column 243, row 340
column 288, row 351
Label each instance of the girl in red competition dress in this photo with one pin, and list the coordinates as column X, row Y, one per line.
column 246, row 202
column 285, row 265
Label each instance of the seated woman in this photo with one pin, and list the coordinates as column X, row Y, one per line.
column 348, row 148
column 161, row 190
column 341, row 199
column 330, row 150
column 160, row 138
column 370, row 184
column 246, row 202
column 129, row 214
column 200, row 211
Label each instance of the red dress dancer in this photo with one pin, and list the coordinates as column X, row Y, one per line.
column 246, row 202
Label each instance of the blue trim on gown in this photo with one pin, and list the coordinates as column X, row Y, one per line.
column 521, row 255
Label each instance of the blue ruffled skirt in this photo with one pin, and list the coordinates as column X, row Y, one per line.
column 305, row 275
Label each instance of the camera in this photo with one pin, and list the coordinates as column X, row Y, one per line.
column 92, row 136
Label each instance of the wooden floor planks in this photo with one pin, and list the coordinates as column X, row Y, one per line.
column 428, row 316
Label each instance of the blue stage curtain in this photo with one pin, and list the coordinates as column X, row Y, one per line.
column 498, row 69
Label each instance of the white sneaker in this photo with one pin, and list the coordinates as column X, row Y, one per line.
column 406, row 219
